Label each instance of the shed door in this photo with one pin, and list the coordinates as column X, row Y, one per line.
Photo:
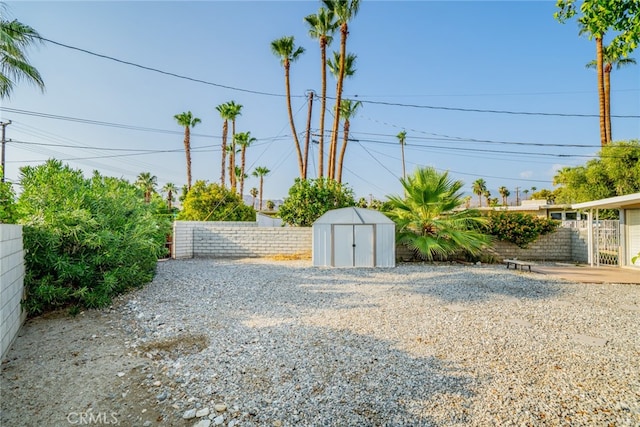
column 633, row 238
column 353, row 246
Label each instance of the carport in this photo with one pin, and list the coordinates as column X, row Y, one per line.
column 629, row 233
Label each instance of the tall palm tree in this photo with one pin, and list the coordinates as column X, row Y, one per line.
column 428, row 221
column 244, row 140
column 525, row 192
column 147, row 183
column 402, row 137
column 479, row 187
column 610, row 57
column 171, row 190
column 349, row 70
column 260, row 172
column 234, row 110
column 286, row 50
column 344, row 11
column 504, row 192
column 322, row 26
column 15, row 38
column 349, row 109
column 254, row 194
column 487, row 196
column 224, row 110
column 187, row 121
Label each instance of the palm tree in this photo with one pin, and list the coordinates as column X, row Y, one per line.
column 402, row 136
column 187, row 121
column 348, row 111
column 344, row 11
column 479, row 187
column 223, row 109
column 349, row 70
column 254, row 194
column 428, row 221
column 610, row 58
column 487, row 196
column 234, row 110
column 504, row 192
column 15, row 37
column 525, row 191
column 147, row 183
column 321, row 27
column 287, row 51
column 244, row 140
column 260, row 172
column 171, row 189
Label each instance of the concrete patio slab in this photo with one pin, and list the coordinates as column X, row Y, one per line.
column 587, row 274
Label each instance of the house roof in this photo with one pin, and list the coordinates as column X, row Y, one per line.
column 618, row 202
column 353, row 216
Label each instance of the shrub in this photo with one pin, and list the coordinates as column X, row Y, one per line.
column 86, row 240
column 7, row 203
column 519, row 228
column 214, row 202
column 309, row 199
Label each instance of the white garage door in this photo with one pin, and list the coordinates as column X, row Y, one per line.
column 633, row 236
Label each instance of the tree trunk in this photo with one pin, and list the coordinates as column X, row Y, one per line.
column 344, row 31
column 170, row 196
column 187, row 151
column 225, row 131
column 308, row 136
column 242, row 165
column 232, row 157
column 293, row 125
column 343, row 150
column 607, row 100
column 599, row 67
column 323, row 107
column 261, row 181
column 404, row 174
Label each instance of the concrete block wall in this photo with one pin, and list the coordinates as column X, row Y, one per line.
column 11, row 284
column 237, row 239
column 556, row 246
column 580, row 245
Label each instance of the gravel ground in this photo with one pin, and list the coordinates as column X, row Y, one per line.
column 279, row 343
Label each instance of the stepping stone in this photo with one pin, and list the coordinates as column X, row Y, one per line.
column 520, row 322
column 594, row 341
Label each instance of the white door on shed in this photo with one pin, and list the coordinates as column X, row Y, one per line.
column 353, row 245
column 633, row 238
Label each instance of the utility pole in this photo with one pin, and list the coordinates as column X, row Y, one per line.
column 4, row 126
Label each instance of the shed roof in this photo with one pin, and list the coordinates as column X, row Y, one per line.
column 618, row 202
column 353, row 215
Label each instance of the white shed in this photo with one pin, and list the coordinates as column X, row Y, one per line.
column 354, row 237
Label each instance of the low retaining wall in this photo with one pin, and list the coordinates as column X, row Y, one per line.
column 237, row 239
column 11, row 284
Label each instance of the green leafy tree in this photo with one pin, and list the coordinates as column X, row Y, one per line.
column 547, row 195
column 322, row 26
column 147, row 183
column 213, row 202
column 15, row 38
column 518, row 228
column 349, row 109
column 428, row 219
column 244, row 140
column 344, row 11
column 86, row 240
column 610, row 58
column 595, row 19
column 285, row 49
column 270, row 205
column 504, row 193
column 478, row 188
column 260, row 172
column 311, row 198
column 187, row 121
column 7, row 203
column 349, row 70
column 402, row 138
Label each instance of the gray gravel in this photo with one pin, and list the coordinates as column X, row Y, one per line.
column 280, row 343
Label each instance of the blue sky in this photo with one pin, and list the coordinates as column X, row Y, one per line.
column 510, row 56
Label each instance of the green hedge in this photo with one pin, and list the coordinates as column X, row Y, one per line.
column 519, row 228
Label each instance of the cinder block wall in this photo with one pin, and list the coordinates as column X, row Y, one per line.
column 580, row 245
column 11, row 284
column 237, row 239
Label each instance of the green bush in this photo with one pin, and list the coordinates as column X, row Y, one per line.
column 214, row 202
column 86, row 240
column 309, row 199
column 519, row 228
column 7, row 203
